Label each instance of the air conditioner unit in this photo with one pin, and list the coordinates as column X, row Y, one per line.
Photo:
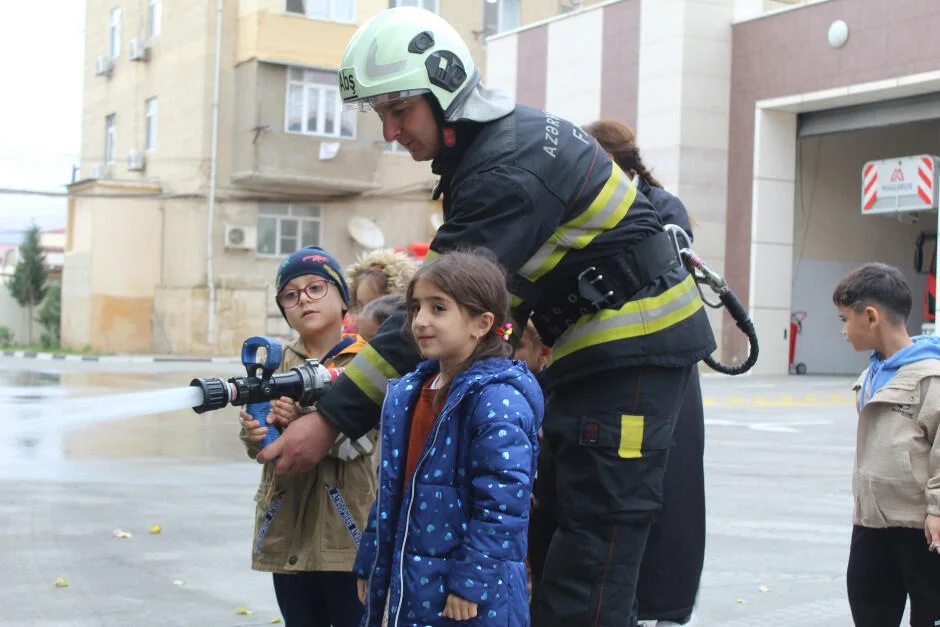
column 101, row 171
column 241, row 237
column 138, row 50
column 104, row 66
column 136, row 160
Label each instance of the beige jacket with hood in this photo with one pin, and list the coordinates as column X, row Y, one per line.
column 297, row 524
column 896, row 482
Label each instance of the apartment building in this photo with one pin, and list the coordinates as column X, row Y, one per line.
column 214, row 143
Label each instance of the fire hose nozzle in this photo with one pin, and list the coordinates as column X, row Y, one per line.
column 216, row 394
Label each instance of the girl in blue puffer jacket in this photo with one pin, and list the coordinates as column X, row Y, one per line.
column 446, row 538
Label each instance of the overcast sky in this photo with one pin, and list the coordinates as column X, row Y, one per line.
column 41, row 66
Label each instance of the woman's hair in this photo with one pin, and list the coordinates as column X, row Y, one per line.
column 618, row 139
column 382, row 307
column 477, row 284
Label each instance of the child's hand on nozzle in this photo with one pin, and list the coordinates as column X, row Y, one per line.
column 459, row 609
column 255, row 430
column 283, row 412
column 932, row 532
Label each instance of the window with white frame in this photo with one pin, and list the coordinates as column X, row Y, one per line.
column 109, row 138
column 501, row 15
column 334, row 10
column 284, row 228
column 154, row 17
column 150, row 107
column 430, row 5
column 114, row 34
column 314, row 106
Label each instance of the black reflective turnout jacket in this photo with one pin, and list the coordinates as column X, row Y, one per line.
column 549, row 202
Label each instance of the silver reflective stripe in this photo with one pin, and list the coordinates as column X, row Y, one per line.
column 376, row 69
column 565, row 236
column 367, row 376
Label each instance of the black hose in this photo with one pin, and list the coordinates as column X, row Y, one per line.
column 739, row 314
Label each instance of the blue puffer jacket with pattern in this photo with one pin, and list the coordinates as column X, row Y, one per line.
column 458, row 525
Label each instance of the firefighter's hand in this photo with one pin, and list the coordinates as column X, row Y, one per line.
column 361, row 586
column 302, row 445
column 459, row 609
column 254, row 430
column 932, row 532
column 283, row 412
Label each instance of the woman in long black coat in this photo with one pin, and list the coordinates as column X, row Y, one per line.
column 675, row 552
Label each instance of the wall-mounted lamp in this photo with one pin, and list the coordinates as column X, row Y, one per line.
column 838, row 34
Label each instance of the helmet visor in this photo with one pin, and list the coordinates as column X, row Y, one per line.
column 384, row 101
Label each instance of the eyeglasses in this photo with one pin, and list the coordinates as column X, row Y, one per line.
column 315, row 290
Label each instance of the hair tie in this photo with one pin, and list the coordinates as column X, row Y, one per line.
column 505, row 331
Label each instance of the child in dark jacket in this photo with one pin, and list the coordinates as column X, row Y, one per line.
column 446, row 539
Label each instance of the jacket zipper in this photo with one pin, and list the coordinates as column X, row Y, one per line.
column 378, row 505
column 411, row 502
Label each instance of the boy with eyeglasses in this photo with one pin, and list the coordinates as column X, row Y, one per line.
column 300, row 531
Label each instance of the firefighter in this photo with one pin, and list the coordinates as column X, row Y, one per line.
column 588, row 262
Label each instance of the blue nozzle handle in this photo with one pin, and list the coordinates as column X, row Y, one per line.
column 272, row 361
column 272, row 349
column 260, row 411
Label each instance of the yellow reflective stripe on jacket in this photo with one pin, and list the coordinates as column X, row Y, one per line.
column 371, row 373
column 605, row 212
column 636, row 318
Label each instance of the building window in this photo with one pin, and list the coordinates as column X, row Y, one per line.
column 154, row 17
column 151, row 129
column 430, row 5
column 395, row 148
column 284, row 228
column 334, row 10
column 314, row 107
column 109, row 138
column 114, row 34
column 501, row 15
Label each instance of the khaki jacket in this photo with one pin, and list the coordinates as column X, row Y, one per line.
column 896, row 481
column 297, row 525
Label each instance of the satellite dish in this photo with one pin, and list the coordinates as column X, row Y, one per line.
column 365, row 232
column 437, row 219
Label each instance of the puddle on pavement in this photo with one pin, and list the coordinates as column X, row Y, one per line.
column 180, row 434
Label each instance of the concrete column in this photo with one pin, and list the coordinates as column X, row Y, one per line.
column 683, row 111
column 772, row 236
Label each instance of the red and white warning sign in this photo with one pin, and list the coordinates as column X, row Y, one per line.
column 902, row 184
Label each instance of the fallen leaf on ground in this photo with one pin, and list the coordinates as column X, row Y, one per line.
column 177, row 582
column 120, row 533
column 156, row 529
column 244, row 611
column 764, row 589
column 275, row 620
column 740, row 601
column 61, row 582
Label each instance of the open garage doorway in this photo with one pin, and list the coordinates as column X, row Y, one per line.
column 831, row 236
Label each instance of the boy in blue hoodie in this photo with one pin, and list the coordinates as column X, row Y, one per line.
column 895, row 551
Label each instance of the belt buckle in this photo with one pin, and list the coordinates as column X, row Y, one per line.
column 592, row 288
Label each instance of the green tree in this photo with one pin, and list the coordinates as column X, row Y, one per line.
column 50, row 316
column 28, row 283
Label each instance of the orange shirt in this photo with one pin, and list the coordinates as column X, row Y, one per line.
column 422, row 419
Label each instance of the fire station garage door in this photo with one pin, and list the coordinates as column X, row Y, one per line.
column 830, row 234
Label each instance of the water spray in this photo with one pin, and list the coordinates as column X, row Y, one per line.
column 304, row 384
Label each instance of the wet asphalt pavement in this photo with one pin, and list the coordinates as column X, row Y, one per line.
column 778, row 466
